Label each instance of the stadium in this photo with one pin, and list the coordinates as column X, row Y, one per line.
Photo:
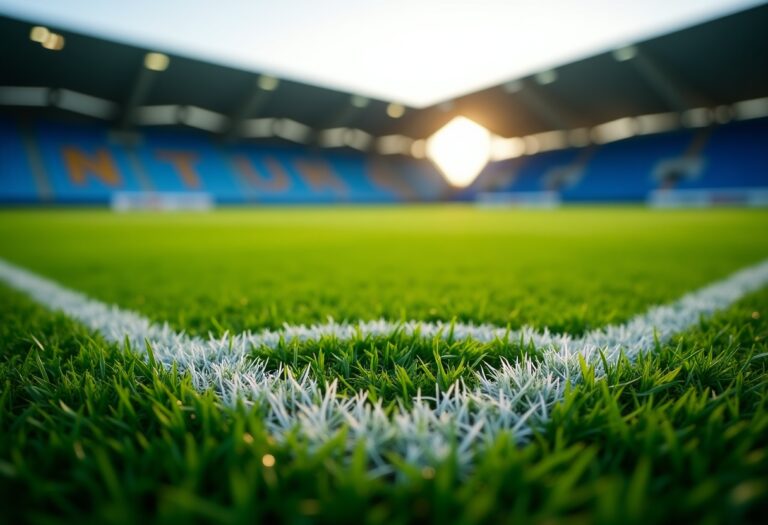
column 366, row 262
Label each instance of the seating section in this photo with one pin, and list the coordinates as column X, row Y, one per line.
column 736, row 156
column 86, row 163
column 624, row 171
column 16, row 181
column 733, row 155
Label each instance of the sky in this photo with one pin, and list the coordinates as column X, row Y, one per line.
column 415, row 52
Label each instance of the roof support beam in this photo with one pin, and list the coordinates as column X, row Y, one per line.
column 550, row 112
column 137, row 95
column 676, row 95
column 250, row 107
column 348, row 113
column 339, row 124
column 151, row 66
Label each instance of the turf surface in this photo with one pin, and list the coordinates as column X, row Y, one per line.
column 89, row 432
column 569, row 271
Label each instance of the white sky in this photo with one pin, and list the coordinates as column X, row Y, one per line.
column 417, row 52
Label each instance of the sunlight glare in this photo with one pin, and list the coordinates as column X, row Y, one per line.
column 461, row 150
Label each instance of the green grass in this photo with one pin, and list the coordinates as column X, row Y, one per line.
column 91, row 433
column 572, row 270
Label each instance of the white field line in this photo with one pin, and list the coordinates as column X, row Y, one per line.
column 514, row 398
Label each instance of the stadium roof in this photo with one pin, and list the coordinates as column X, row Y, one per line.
column 417, row 53
column 715, row 63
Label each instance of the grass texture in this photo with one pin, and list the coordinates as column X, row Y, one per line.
column 89, row 432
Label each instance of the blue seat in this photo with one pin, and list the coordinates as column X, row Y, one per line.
column 17, row 183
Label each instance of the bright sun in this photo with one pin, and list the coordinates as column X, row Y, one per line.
column 461, row 150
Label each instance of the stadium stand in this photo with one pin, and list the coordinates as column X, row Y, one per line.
column 86, row 164
column 734, row 155
column 699, row 122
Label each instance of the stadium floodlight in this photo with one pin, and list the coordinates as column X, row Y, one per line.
column 546, row 77
column 625, row 53
column 395, row 110
column 39, row 34
column 461, row 150
column 53, row 42
column 268, row 83
column 156, row 61
column 46, row 38
column 359, row 101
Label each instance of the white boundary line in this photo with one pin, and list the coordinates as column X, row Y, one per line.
column 514, row 398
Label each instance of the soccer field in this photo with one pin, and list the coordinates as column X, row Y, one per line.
column 458, row 365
